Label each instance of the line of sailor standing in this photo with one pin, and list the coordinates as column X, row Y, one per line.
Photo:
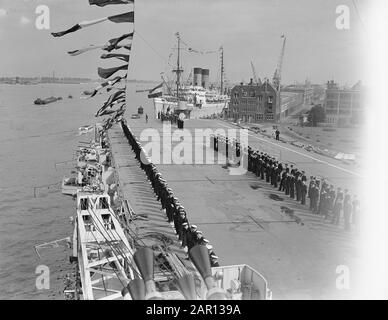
column 188, row 234
column 324, row 199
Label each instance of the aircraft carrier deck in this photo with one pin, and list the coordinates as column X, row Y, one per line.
column 245, row 219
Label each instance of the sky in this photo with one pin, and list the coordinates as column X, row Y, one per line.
column 248, row 30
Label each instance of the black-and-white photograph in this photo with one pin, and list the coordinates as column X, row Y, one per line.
column 193, row 150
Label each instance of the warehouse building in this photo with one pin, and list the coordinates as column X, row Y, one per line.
column 344, row 106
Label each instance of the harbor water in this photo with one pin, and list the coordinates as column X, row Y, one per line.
column 38, row 144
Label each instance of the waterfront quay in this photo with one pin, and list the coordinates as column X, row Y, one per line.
column 246, row 219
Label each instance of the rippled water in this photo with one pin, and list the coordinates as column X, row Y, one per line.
column 33, row 139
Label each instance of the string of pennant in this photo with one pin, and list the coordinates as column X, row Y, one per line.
column 190, row 49
column 115, row 105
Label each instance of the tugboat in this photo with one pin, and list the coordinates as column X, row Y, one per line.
column 40, row 101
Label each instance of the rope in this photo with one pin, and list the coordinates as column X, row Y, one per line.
column 107, row 257
column 120, row 252
column 358, row 14
column 153, row 49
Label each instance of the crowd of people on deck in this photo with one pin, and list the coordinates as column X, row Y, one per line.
column 325, row 200
column 188, row 234
column 172, row 117
column 168, row 116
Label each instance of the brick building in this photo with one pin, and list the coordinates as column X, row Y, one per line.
column 254, row 102
column 261, row 102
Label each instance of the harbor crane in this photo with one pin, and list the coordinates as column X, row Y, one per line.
column 257, row 80
column 276, row 80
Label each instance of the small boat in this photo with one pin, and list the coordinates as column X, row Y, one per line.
column 87, row 92
column 40, row 101
column 85, row 129
column 70, row 186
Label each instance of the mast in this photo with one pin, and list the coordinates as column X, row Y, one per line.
column 222, row 69
column 178, row 69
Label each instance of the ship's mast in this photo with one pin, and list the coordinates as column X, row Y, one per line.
column 222, row 69
column 178, row 69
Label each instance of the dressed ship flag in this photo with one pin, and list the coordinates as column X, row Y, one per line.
column 118, row 96
column 113, row 97
column 106, row 73
column 109, row 84
column 103, row 3
column 125, row 46
column 109, row 111
column 112, row 44
column 110, row 106
column 119, row 111
column 118, row 18
column 86, row 49
column 120, row 56
column 156, row 92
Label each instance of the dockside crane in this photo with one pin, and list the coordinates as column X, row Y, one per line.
column 257, row 80
column 276, row 80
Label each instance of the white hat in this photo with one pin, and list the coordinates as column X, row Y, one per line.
column 209, row 246
column 205, row 240
column 193, row 226
column 214, row 256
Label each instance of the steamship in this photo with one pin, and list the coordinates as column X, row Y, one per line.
column 197, row 100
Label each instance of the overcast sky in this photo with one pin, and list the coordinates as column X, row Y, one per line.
column 247, row 29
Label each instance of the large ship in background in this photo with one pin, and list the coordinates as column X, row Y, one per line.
column 197, row 99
